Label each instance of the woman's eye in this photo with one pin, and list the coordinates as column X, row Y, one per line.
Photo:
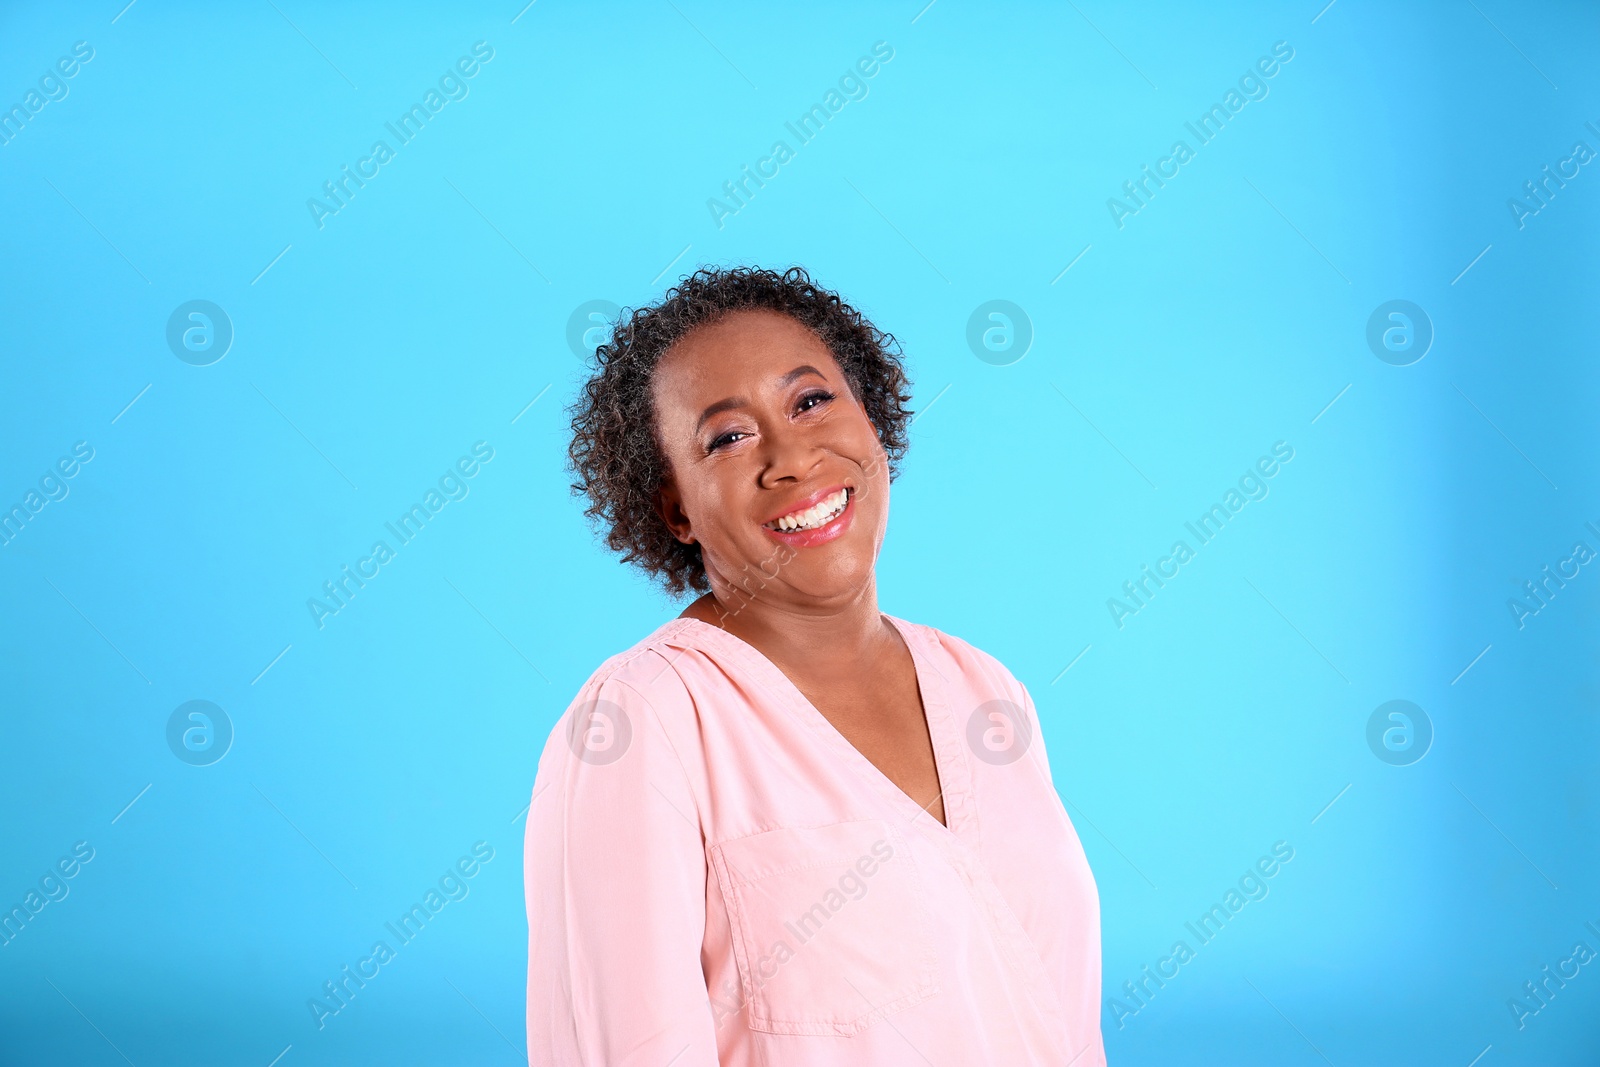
column 806, row 403
column 819, row 397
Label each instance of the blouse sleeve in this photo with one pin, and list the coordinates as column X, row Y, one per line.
column 615, row 877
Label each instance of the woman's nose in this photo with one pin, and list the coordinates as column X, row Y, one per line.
column 789, row 453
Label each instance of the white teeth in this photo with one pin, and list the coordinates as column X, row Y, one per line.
column 817, row 515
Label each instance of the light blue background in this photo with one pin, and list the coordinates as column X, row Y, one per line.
column 1225, row 316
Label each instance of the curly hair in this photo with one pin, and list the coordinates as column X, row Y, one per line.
column 615, row 450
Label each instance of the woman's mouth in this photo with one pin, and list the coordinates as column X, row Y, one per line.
column 822, row 521
column 818, row 514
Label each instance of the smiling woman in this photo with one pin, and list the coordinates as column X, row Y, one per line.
column 786, row 827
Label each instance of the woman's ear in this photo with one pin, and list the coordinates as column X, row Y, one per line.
column 669, row 505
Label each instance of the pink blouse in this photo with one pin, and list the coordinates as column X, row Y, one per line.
column 716, row 876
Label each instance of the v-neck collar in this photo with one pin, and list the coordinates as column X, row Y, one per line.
column 959, row 839
column 955, row 779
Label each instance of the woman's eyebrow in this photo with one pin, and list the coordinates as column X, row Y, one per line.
column 732, row 402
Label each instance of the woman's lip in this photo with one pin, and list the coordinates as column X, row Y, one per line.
column 805, row 502
column 835, row 527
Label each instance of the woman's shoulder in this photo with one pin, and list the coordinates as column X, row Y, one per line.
column 645, row 671
column 968, row 659
column 634, row 701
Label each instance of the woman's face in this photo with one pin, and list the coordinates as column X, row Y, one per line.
column 757, row 423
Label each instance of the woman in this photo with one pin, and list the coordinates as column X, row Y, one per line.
column 786, row 828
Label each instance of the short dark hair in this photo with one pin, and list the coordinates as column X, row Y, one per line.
column 615, row 450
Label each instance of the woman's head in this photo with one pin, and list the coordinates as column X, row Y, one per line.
column 740, row 395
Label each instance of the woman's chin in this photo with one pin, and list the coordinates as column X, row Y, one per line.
column 838, row 581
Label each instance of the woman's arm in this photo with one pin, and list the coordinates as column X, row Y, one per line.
column 615, row 878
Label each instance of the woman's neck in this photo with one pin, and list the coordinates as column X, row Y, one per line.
column 802, row 639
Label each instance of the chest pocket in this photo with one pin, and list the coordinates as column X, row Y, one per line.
column 832, row 930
